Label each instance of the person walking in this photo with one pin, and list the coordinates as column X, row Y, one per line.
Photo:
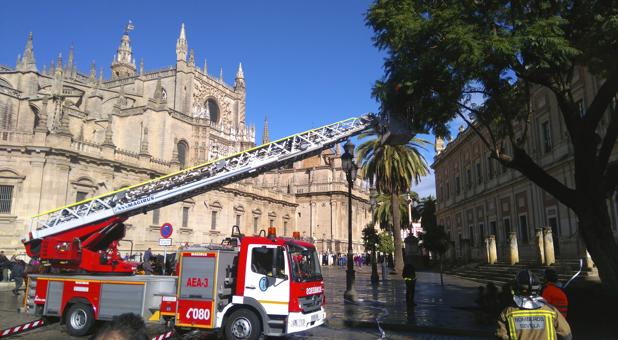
column 553, row 294
column 147, row 255
column 18, row 270
column 4, row 264
column 384, row 266
column 530, row 317
column 409, row 276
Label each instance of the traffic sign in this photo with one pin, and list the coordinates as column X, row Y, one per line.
column 166, row 230
column 165, row 242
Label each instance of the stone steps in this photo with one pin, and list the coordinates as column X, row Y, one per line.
column 501, row 273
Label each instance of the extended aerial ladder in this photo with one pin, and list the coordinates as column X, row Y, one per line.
column 83, row 237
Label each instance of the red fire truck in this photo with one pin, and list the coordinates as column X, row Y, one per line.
column 246, row 286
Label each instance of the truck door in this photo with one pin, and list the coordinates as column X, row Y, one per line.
column 267, row 277
column 196, row 296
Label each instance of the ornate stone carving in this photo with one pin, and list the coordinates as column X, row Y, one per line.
column 202, row 90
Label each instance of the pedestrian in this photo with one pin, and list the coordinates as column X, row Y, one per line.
column 126, row 326
column 409, row 276
column 18, row 269
column 553, row 294
column 147, row 266
column 4, row 263
column 384, row 267
column 529, row 316
column 147, row 255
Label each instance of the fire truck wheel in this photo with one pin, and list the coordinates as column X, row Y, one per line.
column 243, row 324
column 79, row 319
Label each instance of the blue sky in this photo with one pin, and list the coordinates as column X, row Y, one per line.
column 306, row 63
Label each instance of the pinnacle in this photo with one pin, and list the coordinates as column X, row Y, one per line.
column 240, row 74
column 182, row 32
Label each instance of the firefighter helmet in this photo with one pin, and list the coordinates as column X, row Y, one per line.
column 527, row 284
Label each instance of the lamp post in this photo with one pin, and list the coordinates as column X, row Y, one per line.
column 347, row 163
column 373, row 193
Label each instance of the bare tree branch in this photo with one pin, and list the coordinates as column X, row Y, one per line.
column 475, row 128
column 602, row 100
column 609, row 141
column 611, row 178
column 522, row 162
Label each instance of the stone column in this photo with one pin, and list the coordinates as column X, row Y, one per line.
column 589, row 264
column 549, row 246
column 513, row 248
column 540, row 247
column 487, row 255
column 492, row 252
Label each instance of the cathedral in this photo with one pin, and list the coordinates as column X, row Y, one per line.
column 66, row 136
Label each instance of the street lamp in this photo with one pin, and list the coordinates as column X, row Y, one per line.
column 347, row 163
column 373, row 193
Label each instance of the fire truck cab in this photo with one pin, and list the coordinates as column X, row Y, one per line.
column 251, row 286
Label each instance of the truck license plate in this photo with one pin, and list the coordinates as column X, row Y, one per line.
column 314, row 317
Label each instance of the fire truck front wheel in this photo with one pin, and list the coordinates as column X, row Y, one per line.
column 79, row 319
column 242, row 324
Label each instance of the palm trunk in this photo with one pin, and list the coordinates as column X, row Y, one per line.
column 397, row 232
column 594, row 226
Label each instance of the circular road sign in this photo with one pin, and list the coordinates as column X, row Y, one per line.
column 166, row 230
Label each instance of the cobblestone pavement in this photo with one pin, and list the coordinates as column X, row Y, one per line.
column 447, row 310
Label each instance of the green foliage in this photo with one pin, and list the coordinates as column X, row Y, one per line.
column 387, row 244
column 394, row 167
column 371, row 239
column 427, row 211
column 384, row 212
column 440, row 53
column 436, row 240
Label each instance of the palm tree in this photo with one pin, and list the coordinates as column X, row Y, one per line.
column 384, row 212
column 394, row 168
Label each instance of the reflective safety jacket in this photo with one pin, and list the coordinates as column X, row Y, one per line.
column 543, row 323
column 556, row 297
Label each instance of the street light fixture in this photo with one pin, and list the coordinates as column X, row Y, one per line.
column 373, row 193
column 347, row 163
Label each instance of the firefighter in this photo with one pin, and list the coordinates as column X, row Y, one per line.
column 553, row 294
column 530, row 317
column 409, row 276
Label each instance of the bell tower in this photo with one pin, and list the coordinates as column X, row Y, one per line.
column 123, row 64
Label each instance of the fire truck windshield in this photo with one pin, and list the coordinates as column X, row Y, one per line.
column 305, row 264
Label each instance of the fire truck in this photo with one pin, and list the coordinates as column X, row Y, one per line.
column 247, row 286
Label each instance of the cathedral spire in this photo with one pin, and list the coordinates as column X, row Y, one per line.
column 221, row 74
column 205, row 67
column 27, row 61
column 141, row 67
column 265, row 136
column 239, row 83
column 93, row 72
column 182, row 45
column 123, row 64
column 239, row 73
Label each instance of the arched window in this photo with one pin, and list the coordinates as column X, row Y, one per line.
column 212, row 110
column 182, row 153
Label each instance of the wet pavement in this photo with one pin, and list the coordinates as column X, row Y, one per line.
column 441, row 313
column 448, row 310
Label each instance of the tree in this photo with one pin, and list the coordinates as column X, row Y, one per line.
column 371, row 239
column 394, row 167
column 384, row 212
column 443, row 54
column 386, row 245
column 427, row 210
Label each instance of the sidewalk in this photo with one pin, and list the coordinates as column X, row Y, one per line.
column 448, row 310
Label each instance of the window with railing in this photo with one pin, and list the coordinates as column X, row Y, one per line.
column 6, row 198
column 185, row 217
column 213, row 220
